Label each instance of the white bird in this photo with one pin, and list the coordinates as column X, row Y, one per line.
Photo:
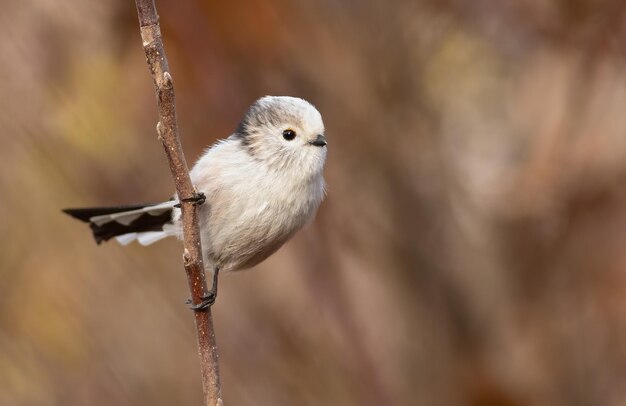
column 262, row 184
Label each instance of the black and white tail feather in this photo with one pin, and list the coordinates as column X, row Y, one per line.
column 146, row 223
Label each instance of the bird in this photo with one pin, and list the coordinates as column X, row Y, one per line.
column 256, row 189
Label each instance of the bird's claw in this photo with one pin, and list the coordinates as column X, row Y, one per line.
column 206, row 302
column 197, row 199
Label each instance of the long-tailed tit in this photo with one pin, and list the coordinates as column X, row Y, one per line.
column 262, row 184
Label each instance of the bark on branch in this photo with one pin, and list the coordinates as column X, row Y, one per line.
column 167, row 130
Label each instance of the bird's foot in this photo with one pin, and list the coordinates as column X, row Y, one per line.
column 207, row 301
column 197, row 199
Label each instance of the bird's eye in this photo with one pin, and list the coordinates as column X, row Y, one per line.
column 289, row 135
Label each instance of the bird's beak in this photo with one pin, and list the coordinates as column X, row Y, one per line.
column 319, row 141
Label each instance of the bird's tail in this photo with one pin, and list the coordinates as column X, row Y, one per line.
column 146, row 223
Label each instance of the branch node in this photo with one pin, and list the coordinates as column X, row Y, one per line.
column 186, row 258
column 160, row 130
column 167, row 78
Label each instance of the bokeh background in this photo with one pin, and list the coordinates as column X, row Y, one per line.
column 471, row 250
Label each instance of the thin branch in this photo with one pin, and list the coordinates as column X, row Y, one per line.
column 167, row 130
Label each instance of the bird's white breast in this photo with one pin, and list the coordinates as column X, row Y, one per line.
column 250, row 210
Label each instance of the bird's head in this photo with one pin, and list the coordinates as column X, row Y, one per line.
column 285, row 133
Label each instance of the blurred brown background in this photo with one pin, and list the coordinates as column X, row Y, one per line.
column 471, row 250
